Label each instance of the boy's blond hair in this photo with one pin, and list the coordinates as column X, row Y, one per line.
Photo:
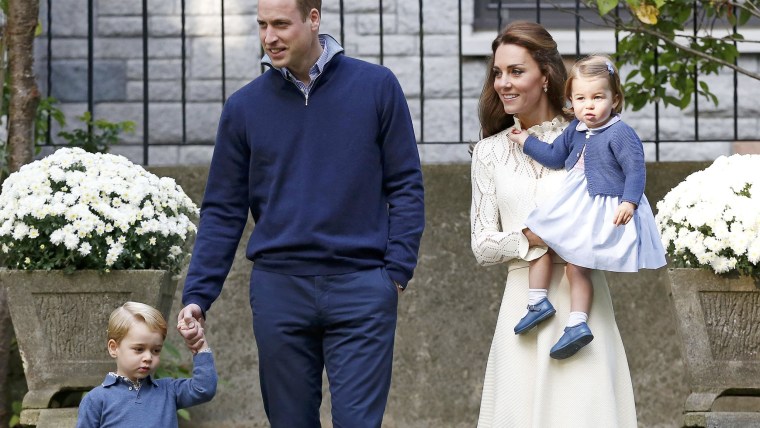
column 127, row 314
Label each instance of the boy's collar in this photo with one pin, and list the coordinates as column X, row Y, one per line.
column 113, row 378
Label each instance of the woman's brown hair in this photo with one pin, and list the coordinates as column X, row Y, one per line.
column 543, row 49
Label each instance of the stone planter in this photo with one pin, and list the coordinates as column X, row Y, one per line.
column 718, row 320
column 60, row 321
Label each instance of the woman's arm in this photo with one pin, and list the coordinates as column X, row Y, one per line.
column 490, row 244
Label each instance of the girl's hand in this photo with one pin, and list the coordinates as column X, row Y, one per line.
column 533, row 239
column 518, row 136
column 624, row 213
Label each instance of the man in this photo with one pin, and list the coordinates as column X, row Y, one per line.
column 321, row 150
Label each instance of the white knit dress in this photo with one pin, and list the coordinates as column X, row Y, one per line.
column 524, row 387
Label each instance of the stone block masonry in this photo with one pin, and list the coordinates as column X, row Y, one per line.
column 118, row 72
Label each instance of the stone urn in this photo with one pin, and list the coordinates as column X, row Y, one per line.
column 60, row 321
column 719, row 325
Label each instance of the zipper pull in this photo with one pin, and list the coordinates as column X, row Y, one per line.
column 306, row 96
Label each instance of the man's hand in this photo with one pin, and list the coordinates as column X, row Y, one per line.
column 190, row 324
column 624, row 213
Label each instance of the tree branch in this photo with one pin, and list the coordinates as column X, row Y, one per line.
column 689, row 50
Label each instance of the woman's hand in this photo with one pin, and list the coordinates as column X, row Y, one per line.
column 624, row 213
column 518, row 136
column 533, row 239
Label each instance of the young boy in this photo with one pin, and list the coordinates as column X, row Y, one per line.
column 130, row 397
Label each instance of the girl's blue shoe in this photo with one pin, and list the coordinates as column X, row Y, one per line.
column 536, row 313
column 575, row 338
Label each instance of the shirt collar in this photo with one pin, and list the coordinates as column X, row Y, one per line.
column 112, row 379
column 330, row 48
column 581, row 127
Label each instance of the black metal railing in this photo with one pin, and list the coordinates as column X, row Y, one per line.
column 497, row 7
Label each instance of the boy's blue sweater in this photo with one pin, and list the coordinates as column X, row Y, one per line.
column 613, row 160
column 334, row 186
column 115, row 404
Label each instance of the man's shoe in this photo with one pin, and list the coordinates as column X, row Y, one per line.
column 536, row 313
column 575, row 338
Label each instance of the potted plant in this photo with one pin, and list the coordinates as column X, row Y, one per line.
column 710, row 227
column 80, row 233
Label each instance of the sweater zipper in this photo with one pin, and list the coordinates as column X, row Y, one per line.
column 306, row 95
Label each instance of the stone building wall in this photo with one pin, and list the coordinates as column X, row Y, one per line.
column 118, row 72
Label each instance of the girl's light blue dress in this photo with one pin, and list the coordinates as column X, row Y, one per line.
column 579, row 227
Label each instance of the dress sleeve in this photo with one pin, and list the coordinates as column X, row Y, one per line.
column 489, row 243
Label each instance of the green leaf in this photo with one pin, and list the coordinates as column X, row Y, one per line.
column 184, row 414
column 606, row 5
column 671, row 100
column 685, row 101
column 744, row 16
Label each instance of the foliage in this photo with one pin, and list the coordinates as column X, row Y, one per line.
column 104, row 134
column 46, row 111
column 77, row 210
column 710, row 220
column 15, row 414
column 667, row 44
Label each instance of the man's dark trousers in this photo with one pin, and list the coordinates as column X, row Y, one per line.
column 345, row 323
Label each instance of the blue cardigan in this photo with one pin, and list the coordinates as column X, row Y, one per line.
column 613, row 161
column 334, row 186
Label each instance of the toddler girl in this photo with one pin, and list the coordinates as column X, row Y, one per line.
column 588, row 222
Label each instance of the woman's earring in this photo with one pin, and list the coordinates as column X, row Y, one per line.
column 545, row 89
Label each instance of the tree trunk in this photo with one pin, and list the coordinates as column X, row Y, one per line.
column 22, row 109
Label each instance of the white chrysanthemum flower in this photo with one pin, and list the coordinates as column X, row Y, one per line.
column 114, row 252
column 85, row 249
column 20, row 231
column 753, row 250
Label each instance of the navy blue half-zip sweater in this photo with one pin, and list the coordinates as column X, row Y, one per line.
column 334, row 186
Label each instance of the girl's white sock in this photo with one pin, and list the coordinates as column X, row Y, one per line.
column 576, row 318
column 536, row 295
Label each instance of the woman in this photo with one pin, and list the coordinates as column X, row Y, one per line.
column 523, row 386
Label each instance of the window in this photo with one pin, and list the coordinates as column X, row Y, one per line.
column 553, row 14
